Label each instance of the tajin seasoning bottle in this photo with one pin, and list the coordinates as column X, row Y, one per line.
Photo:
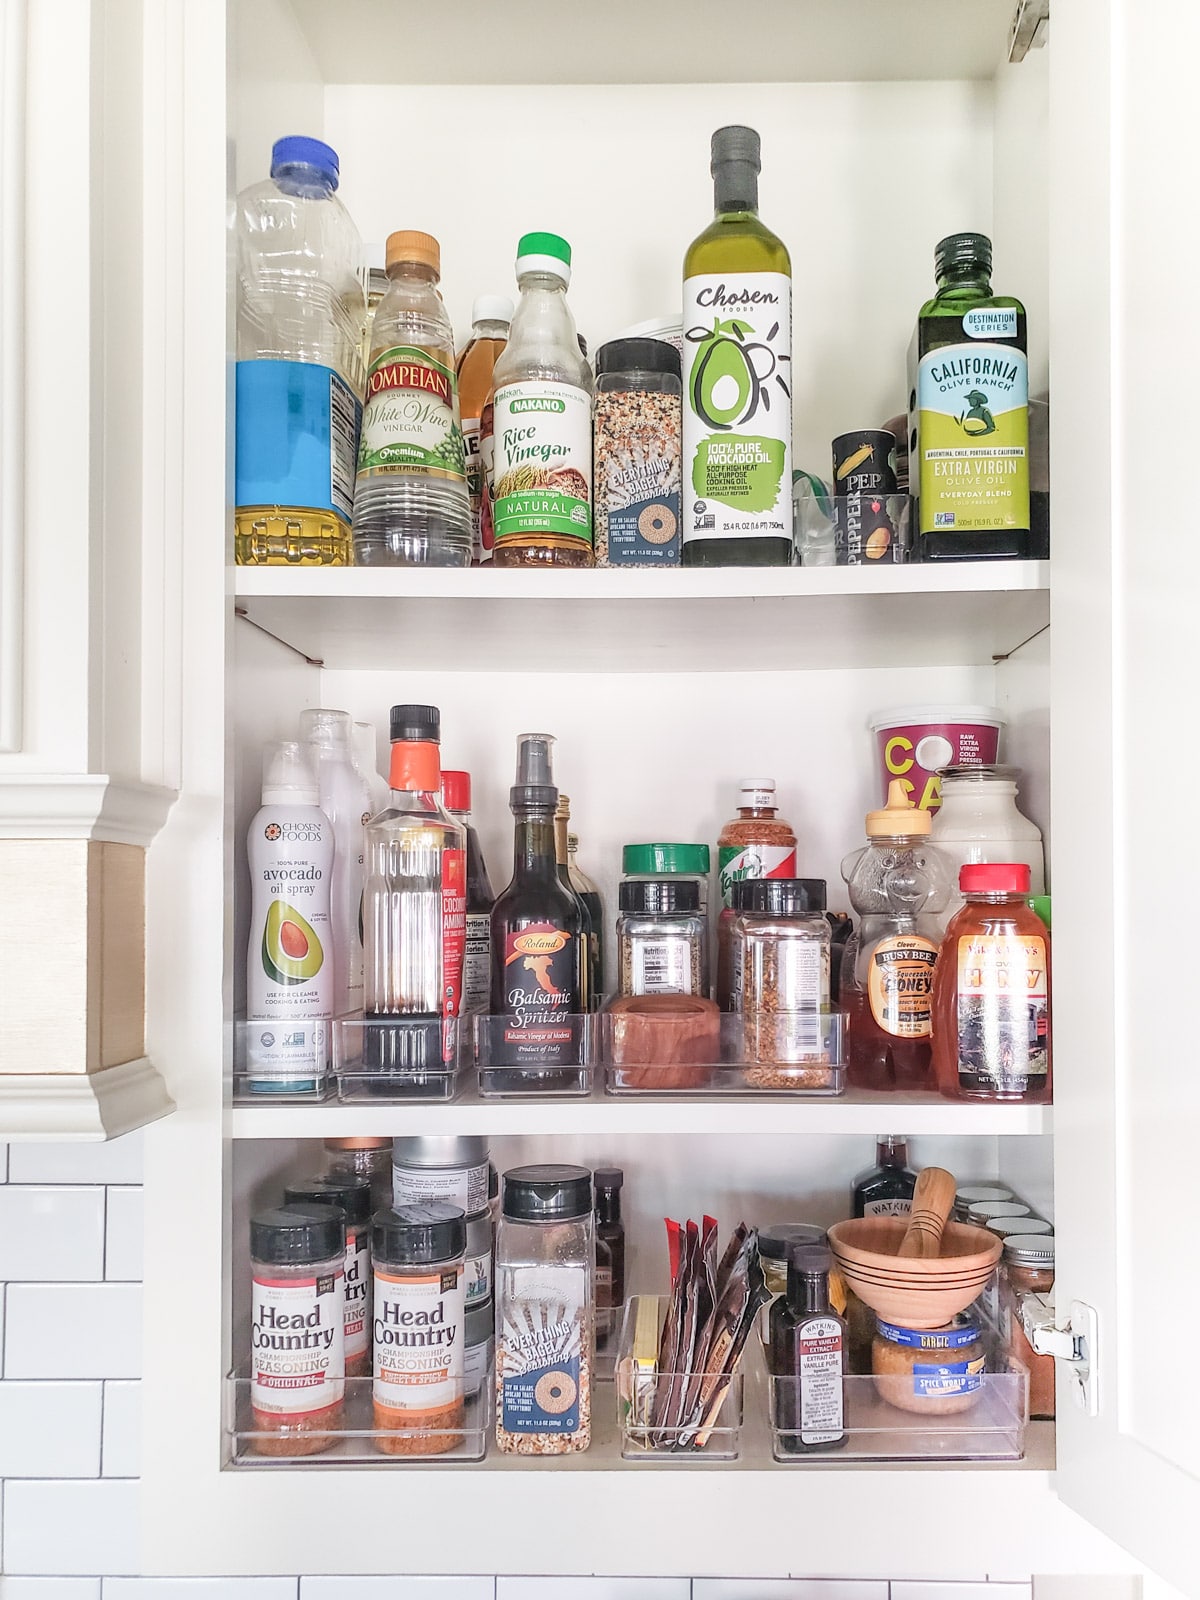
column 991, row 992
column 758, row 843
column 737, row 375
column 968, row 407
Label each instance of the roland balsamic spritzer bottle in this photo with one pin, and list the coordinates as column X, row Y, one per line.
column 539, row 945
column 737, row 375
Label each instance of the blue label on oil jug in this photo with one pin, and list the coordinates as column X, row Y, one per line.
column 297, row 437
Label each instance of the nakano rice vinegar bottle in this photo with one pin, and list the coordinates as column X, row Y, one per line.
column 737, row 375
column 542, row 421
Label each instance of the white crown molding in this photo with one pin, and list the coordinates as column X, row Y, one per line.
column 78, row 1105
column 81, row 806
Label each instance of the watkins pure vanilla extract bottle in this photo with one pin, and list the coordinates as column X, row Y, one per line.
column 736, row 494
column 539, row 945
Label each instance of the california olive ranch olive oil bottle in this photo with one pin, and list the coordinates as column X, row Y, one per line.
column 968, row 406
column 737, row 375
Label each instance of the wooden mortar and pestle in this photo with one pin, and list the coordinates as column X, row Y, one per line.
column 918, row 1271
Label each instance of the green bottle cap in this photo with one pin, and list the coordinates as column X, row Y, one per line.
column 544, row 244
column 1041, row 904
column 963, row 250
column 653, row 860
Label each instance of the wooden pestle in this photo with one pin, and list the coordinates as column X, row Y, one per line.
column 931, row 1203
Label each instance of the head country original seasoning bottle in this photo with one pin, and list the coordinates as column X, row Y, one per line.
column 297, row 1337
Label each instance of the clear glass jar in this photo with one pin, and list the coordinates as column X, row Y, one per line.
column 297, row 1262
column 1027, row 1274
column 363, row 1158
column 978, row 820
column 662, row 938
column 419, row 1394
column 976, row 1194
column 545, row 1313
column 938, row 1371
column 780, row 959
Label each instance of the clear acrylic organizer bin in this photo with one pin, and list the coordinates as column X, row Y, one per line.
column 991, row 1428
column 283, row 1060
column 777, row 1053
column 510, row 1063
column 718, row 1437
column 355, row 1439
column 384, row 1059
column 854, row 530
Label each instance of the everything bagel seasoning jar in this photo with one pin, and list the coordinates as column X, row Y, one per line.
column 545, row 1329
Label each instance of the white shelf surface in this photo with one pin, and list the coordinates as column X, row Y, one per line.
column 856, row 1112
column 623, row 620
column 677, row 41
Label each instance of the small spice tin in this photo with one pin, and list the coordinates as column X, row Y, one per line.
column 479, row 1259
column 449, row 1167
column 1007, row 1226
column 638, row 420
column 979, row 1194
column 297, row 1260
column 984, row 1212
column 352, row 1197
column 662, row 937
column 420, row 1315
column 480, row 1348
column 864, row 473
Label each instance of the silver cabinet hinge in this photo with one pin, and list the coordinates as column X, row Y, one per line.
column 1073, row 1342
column 1029, row 29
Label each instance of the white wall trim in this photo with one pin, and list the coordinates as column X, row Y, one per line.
column 12, row 373
column 81, row 806
column 77, row 1105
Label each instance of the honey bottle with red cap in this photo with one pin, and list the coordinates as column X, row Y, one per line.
column 991, row 991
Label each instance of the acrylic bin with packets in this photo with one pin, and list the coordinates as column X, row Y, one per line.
column 687, row 1048
column 352, row 1437
column 709, row 1407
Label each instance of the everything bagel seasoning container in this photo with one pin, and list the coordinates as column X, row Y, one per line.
column 545, row 1318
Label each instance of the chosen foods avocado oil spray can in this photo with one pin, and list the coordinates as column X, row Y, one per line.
column 737, row 375
column 289, row 966
column 968, row 408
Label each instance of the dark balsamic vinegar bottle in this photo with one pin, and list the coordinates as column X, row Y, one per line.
column 610, row 1253
column 539, row 948
column 808, row 1355
column 886, row 1189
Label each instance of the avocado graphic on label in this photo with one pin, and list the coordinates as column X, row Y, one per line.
column 291, row 951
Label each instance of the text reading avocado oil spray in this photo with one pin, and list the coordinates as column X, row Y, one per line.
column 737, row 375
column 289, row 970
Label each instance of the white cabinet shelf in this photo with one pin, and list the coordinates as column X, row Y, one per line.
column 737, row 618
column 600, row 1115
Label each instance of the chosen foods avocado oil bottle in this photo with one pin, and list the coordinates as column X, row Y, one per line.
column 737, row 375
column 968, row 410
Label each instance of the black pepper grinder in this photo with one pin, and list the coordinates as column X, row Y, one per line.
column 808, row 1358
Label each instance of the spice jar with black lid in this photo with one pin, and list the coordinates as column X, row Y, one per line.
column 545, row 1318
column 420, row 1327
column 352, row 1197
column 637, row 423
column 780, row 961
column 662, row 937
column 297, row 1329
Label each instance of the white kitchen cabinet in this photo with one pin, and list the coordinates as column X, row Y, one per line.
column 885, row 123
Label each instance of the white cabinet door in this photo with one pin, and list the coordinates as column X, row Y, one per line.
column 1125, row 354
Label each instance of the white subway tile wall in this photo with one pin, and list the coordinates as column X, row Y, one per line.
column 70, row 1419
